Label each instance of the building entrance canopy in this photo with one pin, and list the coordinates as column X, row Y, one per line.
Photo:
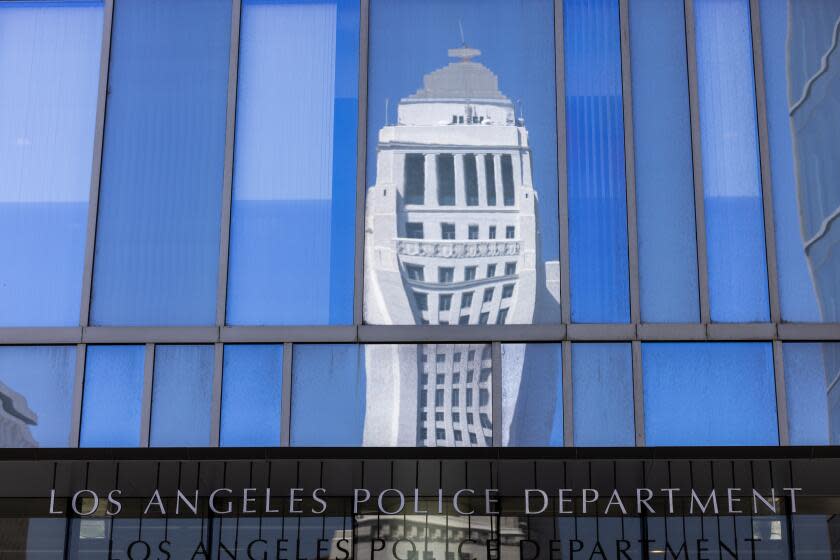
column 414, row 503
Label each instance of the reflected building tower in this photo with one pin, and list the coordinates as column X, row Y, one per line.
column 450, row 239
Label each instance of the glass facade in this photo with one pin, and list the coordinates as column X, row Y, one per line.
column 510, row 223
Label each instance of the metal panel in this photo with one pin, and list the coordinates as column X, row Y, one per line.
column 216, row 398
column 96, row 169
column 40, row 335
column 671, row 331
column 140, row 335
column 289, row 334
column 146, row 403
column 562, row 164
column 764, row 154
column 227, row 184
column 361, row 164
column 497, row 393
column 286, row 396
column 568, row 397
column 781, row 393
column 629, row 163
column 697, row 158
column 638, row 394
column 78, row 392
column 737, row 331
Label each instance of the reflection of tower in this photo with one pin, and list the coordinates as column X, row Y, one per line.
column 15, row 419
column 451, row 238
column 813, row 32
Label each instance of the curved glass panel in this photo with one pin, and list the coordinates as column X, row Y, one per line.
column 157, row 238
column 251, row 388
column 49, row 71
column 602, row 389
column 294, row 183
column 532, row 395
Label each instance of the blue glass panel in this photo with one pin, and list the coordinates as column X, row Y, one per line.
column 595, row 153
column 36, row 390
column 157, row 243
column 492, row 106
column 812, row 371
column 731, row 175
column 112, row 397
column 802, row 112
column 253, row 378
column 328, row 395
column 181, row 396
column 294, row 186
column 532, row 395
column 49, row 68
column 602, row 389
column 709, row 394
column 664, row 171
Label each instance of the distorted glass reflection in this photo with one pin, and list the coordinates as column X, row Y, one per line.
column 532, row 395
column 455, row 196
column 429, row 395
column 36, row 392
column 812, row 386
column 802, row 79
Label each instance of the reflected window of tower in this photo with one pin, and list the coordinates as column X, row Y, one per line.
column 507, row 179
column 415, row 178
column 491, row 270
column 484, row 375
column 492, row 233
column 438, row 416
column 440, row 379
column 414, row 230
column 458, row 435
column 447, row 231
column 510, row 232
column 485, row 420
column 470, row 374
column 446, row 179
column 440, row 358
column 438, row 397
column 470, row 418
column 471, row 355
column 469, row 272
column 446, row 274
column 464, row 320
column 473, row 439
column 488, row 295
column 507, row 290
column 510, row 269
column 490, row 175
column 456, row 357
column 472, row 232
column 456, row 417
column 456, row 397
column 484, row 318
column 440, row 433
column 421, row 300
column 469, row 397
column 471, row 179
column 456, row 377
column 444, row 302
column 500, row 320
column 483, row 400
column 414, row 272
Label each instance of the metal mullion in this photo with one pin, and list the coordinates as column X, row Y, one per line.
column 78, row 395
column 216, row 395
column 96, row 164
column 697, row 164
column 781, row 392
column 361, row 163
column 629, row 163
column 568, row 397
column 227, row 182
column 496, row 353
column 286, row 396
column 638, row 394
column 146, row 402
column 562, row 164
column 764, row 157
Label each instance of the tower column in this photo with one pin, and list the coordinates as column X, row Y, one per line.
column 481, row 176
column 430, row 172
column 460, row 185
column 497, row 166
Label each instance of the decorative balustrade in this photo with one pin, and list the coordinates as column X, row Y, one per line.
column 456, row 249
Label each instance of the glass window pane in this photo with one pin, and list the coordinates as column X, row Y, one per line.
column 294, row 184
column 36, row 390
column 385, row 395
column 181, row 396
column 664, row 171
column 532, row 395
column 602, row 389
column 251, row 384
column 812, row 371
column 462, row 133
column 731, row 176
column 112, row 397
column 595, row 151
column 157, row 242
column 49, row 68
column 802, row 114
column 716, row 393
